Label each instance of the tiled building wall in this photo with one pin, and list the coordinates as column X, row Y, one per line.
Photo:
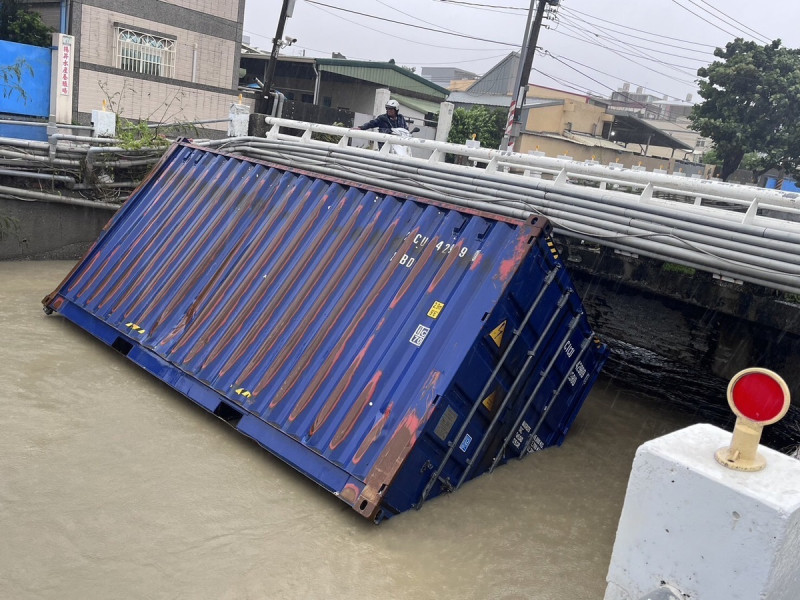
column 153, row 101
column 215, row 56
column 227, row 9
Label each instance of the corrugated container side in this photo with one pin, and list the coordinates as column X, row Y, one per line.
column 387, row 347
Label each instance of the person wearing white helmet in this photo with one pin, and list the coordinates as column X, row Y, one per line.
column 389, row 120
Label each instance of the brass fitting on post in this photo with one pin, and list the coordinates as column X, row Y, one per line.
column 758, row 397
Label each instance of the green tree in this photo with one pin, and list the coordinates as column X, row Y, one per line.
column 486, row 125
column 752, row 104
column 23, row 26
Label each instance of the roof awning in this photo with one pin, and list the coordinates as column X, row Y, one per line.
column 423, row 106
column 386, row 74
column 633, row 130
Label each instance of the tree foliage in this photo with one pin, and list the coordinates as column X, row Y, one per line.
column 486, row 125
column 23, row 26
column 752, row 104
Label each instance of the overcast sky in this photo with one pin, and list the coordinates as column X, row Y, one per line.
column 588, row 46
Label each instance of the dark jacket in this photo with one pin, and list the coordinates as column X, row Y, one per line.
column 385, row 124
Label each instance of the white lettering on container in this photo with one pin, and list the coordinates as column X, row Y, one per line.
column 419, row 335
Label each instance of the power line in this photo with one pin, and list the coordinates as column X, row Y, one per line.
column 557, row 59
column 567, row 84
column 687, row 9
column 763, row 37
column 705, row 53
column 623, row 55
column 462, row 35
column 640, row 49
column 712, row 46
column 401, row 38
column 572, row 60
column 413, row 16
column 484, row 6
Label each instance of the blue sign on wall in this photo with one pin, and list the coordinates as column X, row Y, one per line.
column 787, row 185
column 34, row 80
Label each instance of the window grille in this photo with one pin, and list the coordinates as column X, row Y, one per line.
column 144, row 53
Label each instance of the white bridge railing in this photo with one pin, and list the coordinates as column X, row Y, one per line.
column 738, row 233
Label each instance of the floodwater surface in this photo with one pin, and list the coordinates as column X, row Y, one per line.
column 112, row 485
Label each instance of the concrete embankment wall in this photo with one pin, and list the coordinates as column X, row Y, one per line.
column 47, row 230
column 681, row 334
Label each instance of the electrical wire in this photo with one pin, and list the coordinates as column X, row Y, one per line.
column 689, row 10
column 604, row 35
column 623, row 55
column 614, row 23
column 592, row 38
column 487, row 7
column 571, row 85
column 389, row 6
column 610, row 75
column 461, row 35
column 764, row 38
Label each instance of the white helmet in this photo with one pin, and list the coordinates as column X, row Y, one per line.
column 393, row 104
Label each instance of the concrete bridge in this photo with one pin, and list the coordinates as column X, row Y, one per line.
column 689, row 280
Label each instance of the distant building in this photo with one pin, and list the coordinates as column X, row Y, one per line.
column 647, row 106
column 328, row 90
column 445, row 76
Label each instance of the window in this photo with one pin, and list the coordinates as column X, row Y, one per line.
column 145, row 53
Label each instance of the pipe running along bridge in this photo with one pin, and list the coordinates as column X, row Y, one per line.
column 737, row 233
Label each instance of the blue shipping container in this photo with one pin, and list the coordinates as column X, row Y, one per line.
column 388, row 347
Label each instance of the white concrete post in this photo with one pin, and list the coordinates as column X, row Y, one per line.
column 61, row 76
column 382, row 96
column 445, row 121
column 706, row 530
column 104, row 122
column 239, row 119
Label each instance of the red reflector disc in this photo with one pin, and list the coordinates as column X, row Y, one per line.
column 758, row 396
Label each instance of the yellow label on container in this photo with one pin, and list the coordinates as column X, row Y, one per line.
column 497, row 333
column 437, row 307
column 488, row 402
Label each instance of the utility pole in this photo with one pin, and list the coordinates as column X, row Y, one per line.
column 263, row 103
column 529, row 42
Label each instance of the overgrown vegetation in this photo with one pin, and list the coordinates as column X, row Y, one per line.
column 7, row 225
column 328, row 137
column 153, row 131
column 11, row 76
column 138, row 135
column 669, row 267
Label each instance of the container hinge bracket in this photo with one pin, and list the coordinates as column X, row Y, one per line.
column 521, row 376
column 548, row 280
column 513, row 431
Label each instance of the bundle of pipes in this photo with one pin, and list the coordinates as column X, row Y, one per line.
column 733, row 238
column 63, row 169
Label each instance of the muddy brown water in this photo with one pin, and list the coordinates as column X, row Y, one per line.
column 114, row 486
